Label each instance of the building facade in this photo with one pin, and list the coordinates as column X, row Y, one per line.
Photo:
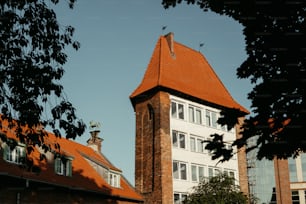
column 278, row 181
column 73, row 173
column 297, row 175
column 176, row 106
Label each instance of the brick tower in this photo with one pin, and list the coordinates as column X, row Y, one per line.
column 153, row 165
column 176, row 107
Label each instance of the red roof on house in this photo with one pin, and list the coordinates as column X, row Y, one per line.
column 84, row 176
column 177, row 67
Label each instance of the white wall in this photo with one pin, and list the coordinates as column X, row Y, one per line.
column 201, row 131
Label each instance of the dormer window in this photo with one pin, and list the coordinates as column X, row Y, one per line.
column 15, row 155
column 114, row 179
column 63, row 166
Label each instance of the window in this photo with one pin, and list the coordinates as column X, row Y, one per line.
column 178, row 139
column 179, row 198
column 303, row 160
column 179, row 170
column 177, row 110
column 192, row 144
column 229, row 173
column 200, row 173
column 228, row 146
column 16, row 155
column 210, row 172
column 224, row 127
column 114, row 180
column 208, row 118
column 200, row 145
column 63, row 166
column 295, row 197
column 209, row 151
column 214, row 119
column 213, row 171
column 197, row 173
column 211, row 119
column 292, row 170
column 195, row 115
column 197, row 144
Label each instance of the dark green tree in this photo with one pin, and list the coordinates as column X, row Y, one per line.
column 275, row 38
column 32, row 45
column 220, row 189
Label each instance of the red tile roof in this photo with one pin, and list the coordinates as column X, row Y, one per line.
column 84, row 176
column 187, row 71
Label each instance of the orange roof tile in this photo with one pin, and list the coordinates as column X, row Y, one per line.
column 84, row 176
column 187, row 71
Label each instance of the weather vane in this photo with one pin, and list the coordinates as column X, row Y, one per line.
column 164, row 28
column 200, row 46
column 94, row 126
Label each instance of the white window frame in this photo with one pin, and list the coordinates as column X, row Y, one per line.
column 177, row 110
column 213, row 171
column 182, row 170
column 114, row 179
column 208, row 151
column 229, row 147
column 63, row 166
column 193, row 144
column 198, row 143
column 15, row 155
column 193, row 114
column 211, row 118
column 199, row 172
column 181, row 197
column 230, row 173
column 223, row 128
column 179, row 139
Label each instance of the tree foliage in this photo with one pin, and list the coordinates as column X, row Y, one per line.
column 220, row 189
column 32, row 45
column 275, row 44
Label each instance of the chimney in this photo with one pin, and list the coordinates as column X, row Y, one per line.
column 170, row 39
column 95, row 142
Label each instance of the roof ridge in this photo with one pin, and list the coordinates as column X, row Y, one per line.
column 111, row 166
column 160, row 61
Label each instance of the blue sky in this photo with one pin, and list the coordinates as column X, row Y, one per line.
column 117, row 40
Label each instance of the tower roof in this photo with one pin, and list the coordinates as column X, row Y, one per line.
column 176, row 67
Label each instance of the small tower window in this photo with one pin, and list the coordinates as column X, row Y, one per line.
column 151, row 112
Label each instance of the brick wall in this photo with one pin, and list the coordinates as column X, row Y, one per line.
column 242, row 163
column 153, row 164
column 282, row 181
